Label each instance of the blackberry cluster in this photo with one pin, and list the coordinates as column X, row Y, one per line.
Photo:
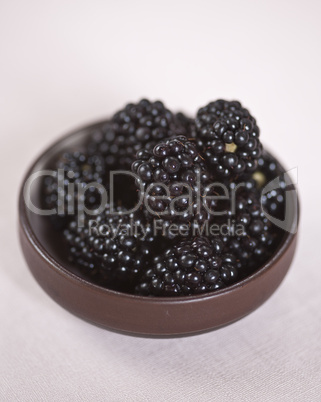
column 229, row 138
column 190, row 267
column 110, row 249
column 136, row 126
column 77, row 169
column 170, row 177
column 176, row 161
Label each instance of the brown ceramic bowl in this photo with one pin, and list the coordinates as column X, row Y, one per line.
column 132, row 314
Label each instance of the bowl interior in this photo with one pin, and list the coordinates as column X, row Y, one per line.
column 41, row 225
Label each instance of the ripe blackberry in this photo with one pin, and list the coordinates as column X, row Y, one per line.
column 134, row 127
column 170, row 177
column 77, row 169
column 229, row 137
column 111, row 249
column 274, row 200
column 268, row 169
column 250, row 237
column 190, row 267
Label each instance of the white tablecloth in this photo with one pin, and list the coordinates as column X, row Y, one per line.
column 68, row 63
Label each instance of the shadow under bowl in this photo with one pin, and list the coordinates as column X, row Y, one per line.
column 46, row 257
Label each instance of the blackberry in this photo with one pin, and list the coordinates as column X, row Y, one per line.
column 267, row 170
column 190, row 267
column 134, row 127
column 250, row 236
column 274, row 200
column 171, row 176
column 109, row 249
column 77, row 169
column 229, row 137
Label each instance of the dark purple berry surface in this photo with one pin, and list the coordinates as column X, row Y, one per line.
column 229, row 138
column 187, row 171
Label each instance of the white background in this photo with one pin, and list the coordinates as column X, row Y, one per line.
column 66, row 63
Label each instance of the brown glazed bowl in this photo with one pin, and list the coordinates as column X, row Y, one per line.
column 131, row 314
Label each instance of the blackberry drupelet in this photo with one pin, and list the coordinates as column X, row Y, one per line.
column 134, row 127
column 190, row 267
column 170, row 177
column 229, row 137
column 77, row 169
column 110, row 250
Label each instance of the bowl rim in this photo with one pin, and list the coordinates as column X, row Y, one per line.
column 36, row 244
